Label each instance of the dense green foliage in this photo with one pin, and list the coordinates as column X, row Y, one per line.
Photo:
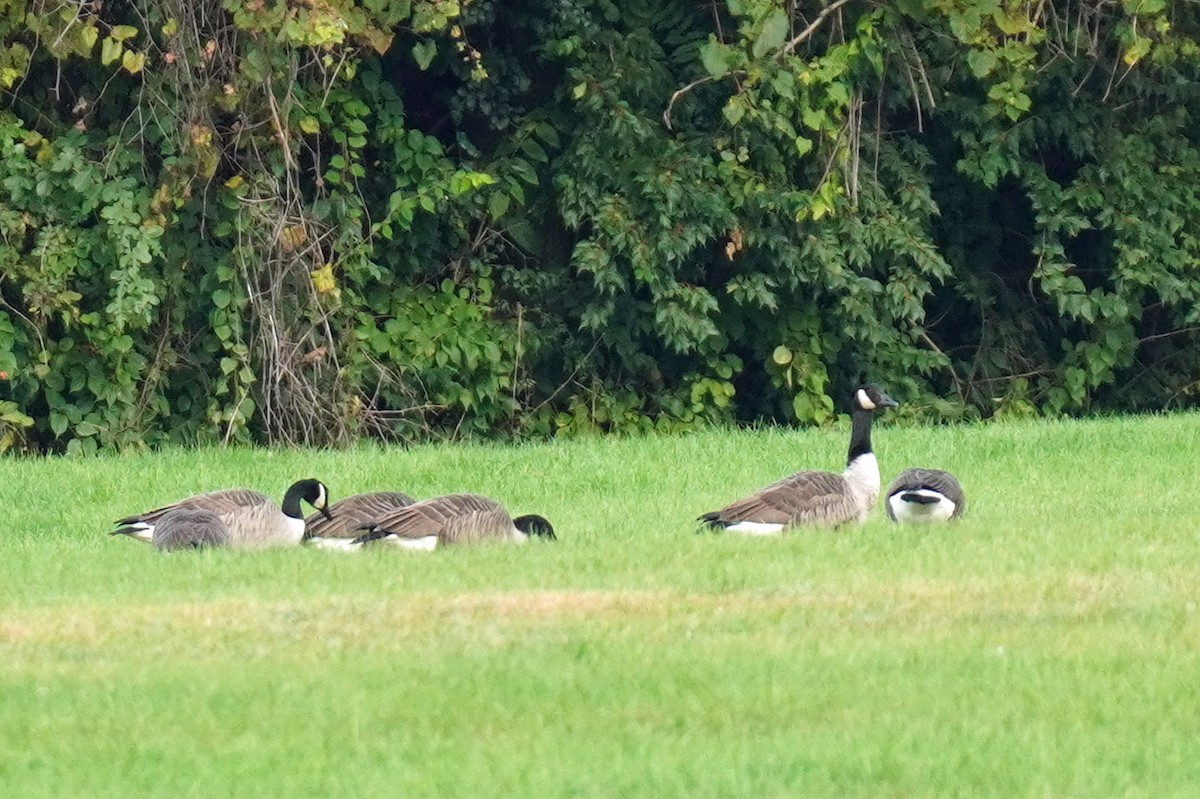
column 1045, row 646
column 251, row 220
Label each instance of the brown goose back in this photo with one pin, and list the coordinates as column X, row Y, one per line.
column 354, row 514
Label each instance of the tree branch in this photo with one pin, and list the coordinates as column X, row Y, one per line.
column 812, row 27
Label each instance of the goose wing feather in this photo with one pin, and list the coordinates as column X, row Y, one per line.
column 445, row 517
column 190, row 528
column 218, row 502
column 352, row 514
column 802, row 498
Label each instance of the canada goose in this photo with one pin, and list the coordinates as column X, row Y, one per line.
column 925, row 495
column 251, row 519
column 189, row 528
column 815, row 498
column 351, row 516
column 453, row 519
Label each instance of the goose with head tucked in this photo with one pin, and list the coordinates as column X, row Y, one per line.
column 251, row 519
column 925, row 495
column 350, row 517
column 451, row 520
column 814, row 498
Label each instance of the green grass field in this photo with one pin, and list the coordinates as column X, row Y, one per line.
column 1048, row 645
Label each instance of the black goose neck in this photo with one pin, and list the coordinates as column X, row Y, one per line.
column 860, row 434
column 291, row 500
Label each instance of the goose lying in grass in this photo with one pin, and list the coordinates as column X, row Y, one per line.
column 925, row 495
column 815, row 498
column 450, row 520
column 189, row 528
column 350, row 516
column 251, row 519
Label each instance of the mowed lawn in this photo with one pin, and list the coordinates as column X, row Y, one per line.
column 1048, row 645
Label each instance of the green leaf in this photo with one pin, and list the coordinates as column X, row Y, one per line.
column 87, row 38
column 498, row 205
column 813, row 118
column 1011, row 23
column 982, row 62
column 784, row 84
column 110, row 50
column 58, row 422
column 802, row 406
column 734, row 110
column 716, row 57
column 423, row 53
column 773, row 34
column 86, row 429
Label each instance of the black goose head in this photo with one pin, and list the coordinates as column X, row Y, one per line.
column 871, row 398
column 311, row 491
column 532, row 524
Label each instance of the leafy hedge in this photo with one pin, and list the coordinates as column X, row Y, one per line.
column 310, row 222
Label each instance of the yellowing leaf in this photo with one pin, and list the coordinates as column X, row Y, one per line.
column 1011, row 23
column 379, row 40
column 579, row 91
column 1137, row 51
column 310, row 125
column 122, row 32
column 782, row 355
column 292, row 237
column 170, row 27
column 234, row 182
column 323, row 280
column 133, row 62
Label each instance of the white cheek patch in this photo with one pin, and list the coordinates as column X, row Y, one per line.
column 321, row 498
column 864, row 401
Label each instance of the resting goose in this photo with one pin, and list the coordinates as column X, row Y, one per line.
column 453, row 519
column 815, row 498
column 925, row 495
column 189, row 528
column 351, row 516
column 251, row 519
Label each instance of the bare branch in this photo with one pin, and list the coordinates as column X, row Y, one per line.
column 803, row 35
